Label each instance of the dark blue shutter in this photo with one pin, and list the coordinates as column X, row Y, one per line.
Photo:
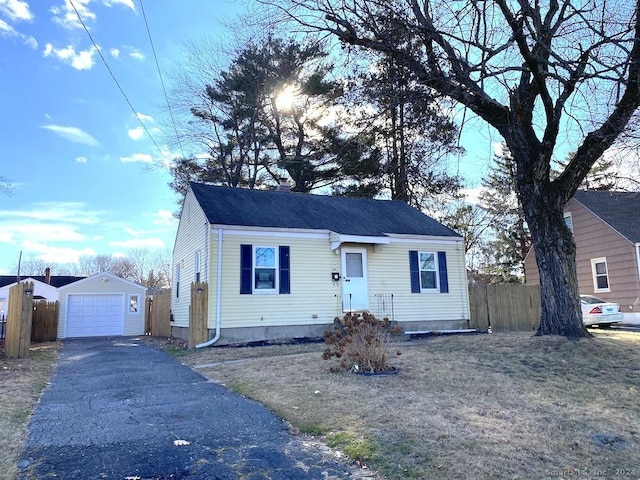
column 246, row 264
column 414, row 269
column 285, row 275
column 442, row 271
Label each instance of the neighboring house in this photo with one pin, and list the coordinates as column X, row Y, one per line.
column 607, row 235
column 284, row 265
column 45, row 287
column 101, row 305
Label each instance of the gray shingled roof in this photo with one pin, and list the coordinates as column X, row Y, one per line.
column 346, row 216
column 56, row 280
column 619, row 209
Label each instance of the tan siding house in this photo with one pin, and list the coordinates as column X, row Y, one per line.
column 607, row 235
column 284, row 265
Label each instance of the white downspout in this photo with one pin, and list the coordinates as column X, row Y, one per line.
column 218, row 294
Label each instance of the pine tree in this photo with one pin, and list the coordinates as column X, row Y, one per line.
column 509, row 235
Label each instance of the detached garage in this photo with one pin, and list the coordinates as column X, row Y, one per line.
column 101, row 305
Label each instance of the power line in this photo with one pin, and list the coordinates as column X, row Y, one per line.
column 164, row 90
column 95, row 45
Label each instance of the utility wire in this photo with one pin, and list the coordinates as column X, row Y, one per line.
column 95, row 45
column 164, row 90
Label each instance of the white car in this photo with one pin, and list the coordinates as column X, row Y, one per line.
column 596, row 311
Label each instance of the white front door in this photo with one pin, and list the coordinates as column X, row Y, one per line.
column 355, row 293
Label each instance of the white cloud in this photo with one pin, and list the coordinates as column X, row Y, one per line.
column 53, row 254
column 8, row 31
column 74, row 134
column 136, row 133
column 164, row 217
column 125, row 3
column 138, row 243
column 137, row 54
column 115, row 53
column 81, row 159
column 50, row 230
column 81, row 60
column 65, row 15
column 143, row 117
column 16, row 10
column 137, row 157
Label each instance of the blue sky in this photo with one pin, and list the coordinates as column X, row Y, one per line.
column 83, row 169
column 87, row 178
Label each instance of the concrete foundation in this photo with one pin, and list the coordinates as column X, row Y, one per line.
column 231, row 336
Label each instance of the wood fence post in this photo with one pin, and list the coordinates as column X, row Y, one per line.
column 198, row 314
column 18, row 338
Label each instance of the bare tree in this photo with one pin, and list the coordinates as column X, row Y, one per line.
column 540, row 73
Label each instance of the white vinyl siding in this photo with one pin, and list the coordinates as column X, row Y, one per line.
column 101, row 289
column 389, row 273
column 315, row 298
column 190, row 239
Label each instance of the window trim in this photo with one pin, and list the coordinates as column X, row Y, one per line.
column 130, row 298
column 435, row 271
column 567, row 216
column 177, row 280
column 275, row 268
column 196, row 266
column 595, row 275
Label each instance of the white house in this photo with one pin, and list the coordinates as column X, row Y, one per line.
column 101, row 305
column 284, row 265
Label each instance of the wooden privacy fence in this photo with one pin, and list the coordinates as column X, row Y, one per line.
column 198, row 314
column 44, row 324
column 158, row 315
column 505, row 307
column 19, row 315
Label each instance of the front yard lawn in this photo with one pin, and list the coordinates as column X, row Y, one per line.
column 465, row 406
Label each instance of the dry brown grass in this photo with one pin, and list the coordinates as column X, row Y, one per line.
column 21, row 383
column 479, row 406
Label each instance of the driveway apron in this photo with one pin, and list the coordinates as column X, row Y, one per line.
column 119, row 409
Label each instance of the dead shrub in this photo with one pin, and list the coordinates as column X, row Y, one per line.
column 360, row 342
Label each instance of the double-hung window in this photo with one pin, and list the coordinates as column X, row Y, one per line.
column 264, row 269
column 428, row 264
column 600, row 274
column 428, row 271
column 265, row 266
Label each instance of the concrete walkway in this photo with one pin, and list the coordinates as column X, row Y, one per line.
column 119, row 409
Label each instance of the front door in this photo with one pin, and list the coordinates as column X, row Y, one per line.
column 355, row 294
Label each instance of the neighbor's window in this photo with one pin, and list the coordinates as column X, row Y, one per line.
column 428, row 270
column 568, row 220
column 133, row 304
column 600, row 274
column 264, row 268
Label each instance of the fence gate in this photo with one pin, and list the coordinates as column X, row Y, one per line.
column 158, row 315
column 44, row 325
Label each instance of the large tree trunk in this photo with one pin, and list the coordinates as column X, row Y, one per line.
column 555, row 252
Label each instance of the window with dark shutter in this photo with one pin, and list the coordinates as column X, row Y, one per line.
column 428, row 272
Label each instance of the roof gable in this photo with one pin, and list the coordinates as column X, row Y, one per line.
column 617, row 209
column 343, row 215
column 106, row 276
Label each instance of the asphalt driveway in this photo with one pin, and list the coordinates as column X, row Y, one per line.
column 119, row 409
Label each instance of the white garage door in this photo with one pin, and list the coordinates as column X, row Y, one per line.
column 97, row 315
